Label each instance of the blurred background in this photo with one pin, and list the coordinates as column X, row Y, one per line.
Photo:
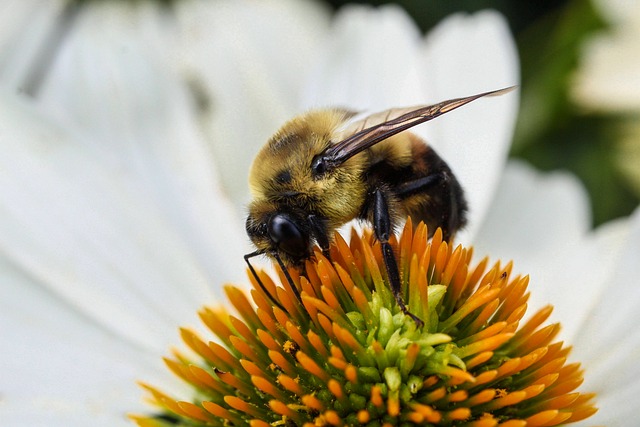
column 580, row 89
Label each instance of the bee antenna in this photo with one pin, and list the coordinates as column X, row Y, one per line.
column 255, row 276
column 285, row 270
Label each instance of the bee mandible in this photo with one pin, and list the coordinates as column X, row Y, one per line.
column 325, row 168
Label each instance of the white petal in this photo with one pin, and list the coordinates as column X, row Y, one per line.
column 26, row 28
column 582, row 274
column 464, row 55
column 131, row 106
column 531, row 212
column 249, row 59
column 608, row 343
column 609, row 74
column 370, row 61
column 61, row 368
column 541, row 221
column 617, row 11
column 89, row 235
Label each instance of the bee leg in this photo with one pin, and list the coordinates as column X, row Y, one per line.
column 320, row 233
column 285, row 270
column 382, row 229
column 255, row 276
column 421, row 185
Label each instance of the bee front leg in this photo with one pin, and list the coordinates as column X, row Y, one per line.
column 257, row 278
column 382, row 228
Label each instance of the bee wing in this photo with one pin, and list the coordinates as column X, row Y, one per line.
column 362, row 134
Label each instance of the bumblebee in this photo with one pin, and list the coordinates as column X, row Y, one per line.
column 327, row 167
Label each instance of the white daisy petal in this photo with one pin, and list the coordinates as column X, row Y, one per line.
column 608, row 78
column 575, row 290
column 59, row 366
column 249, row 59
column 369, row 63
column 141, row 120
column 530, row 209
column 20, row 50
column 617, row 11
column 608, row 342
column 464, row 55
column 86, row 233
column 47, row 415
column 541, row 222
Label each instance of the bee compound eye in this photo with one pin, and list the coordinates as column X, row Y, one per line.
column 287, row 236
column 318, row 166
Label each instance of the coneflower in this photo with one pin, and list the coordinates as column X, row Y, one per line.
column 347, row 355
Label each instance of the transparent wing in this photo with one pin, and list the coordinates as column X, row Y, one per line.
column 364, row 133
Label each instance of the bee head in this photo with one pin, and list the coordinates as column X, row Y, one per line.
column 290, row 171
column 289, row 159
column 286, row 233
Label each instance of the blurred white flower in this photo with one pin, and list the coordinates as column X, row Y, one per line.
column 607, row 81
column 115, row 186
column 608, row 78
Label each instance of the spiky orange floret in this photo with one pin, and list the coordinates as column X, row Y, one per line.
column 346, row 355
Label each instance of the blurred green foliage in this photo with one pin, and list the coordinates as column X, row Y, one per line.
column 552, row 132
